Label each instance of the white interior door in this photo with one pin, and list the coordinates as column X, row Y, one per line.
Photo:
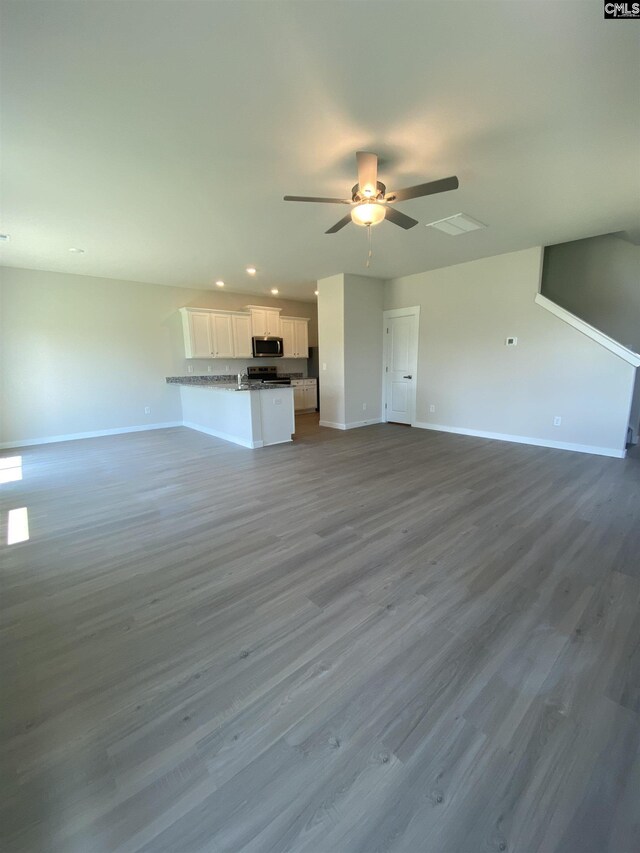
column 401, row 363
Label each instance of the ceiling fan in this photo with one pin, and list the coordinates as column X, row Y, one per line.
column 371, row 203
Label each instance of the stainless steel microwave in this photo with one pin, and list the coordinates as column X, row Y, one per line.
column 267, row 347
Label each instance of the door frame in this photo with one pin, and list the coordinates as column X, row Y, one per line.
column 413, row 310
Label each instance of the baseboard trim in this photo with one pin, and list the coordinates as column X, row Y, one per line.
column 357, row 424
column 351, row 425
column 76, row 436
column 225, row 436
column 522, row 439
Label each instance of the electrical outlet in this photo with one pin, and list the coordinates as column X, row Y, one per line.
column 432, row 408
column 189, row 368
column 147, row 410
column 226, row 368
column 364, row 407
column 209, row 368
column 557, row 421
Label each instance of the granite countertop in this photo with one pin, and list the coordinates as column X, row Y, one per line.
column 220, row 383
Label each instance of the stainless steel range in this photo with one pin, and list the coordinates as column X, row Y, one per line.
column 266, row 376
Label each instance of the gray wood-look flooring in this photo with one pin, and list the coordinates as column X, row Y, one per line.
column 379, row 640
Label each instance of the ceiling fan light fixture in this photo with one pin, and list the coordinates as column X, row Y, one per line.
column 368, row 213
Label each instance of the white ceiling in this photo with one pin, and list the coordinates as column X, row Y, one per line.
column 161, row 136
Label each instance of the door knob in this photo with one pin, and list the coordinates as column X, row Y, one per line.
column 408, row 377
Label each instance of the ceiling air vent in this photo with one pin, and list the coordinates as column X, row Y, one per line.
column 460, row 223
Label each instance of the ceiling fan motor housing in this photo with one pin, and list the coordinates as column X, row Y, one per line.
column 358, row 196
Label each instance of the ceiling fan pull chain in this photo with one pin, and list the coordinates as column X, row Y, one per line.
column 370, row 253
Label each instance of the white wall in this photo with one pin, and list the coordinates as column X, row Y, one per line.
column 331, row 332
column 82, row 354
column 350, row 339
column 479, row 385
column 363, row 305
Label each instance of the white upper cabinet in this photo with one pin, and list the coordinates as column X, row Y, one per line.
column 198, row 340
column 227, row 334
column 302, row 338
column 265, row 322
column 295, row 337
column 242, row 335
column 288, row 334
column 216, row 334
column 222, row 336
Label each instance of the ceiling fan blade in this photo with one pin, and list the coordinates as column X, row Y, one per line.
column 441, row 186
column 367, row 171
column 322, row 200
column 344, row 221
column 399, row 218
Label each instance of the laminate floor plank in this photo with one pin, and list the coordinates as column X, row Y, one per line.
column 419, row 643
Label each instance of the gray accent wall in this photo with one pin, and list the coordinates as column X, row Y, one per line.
column 598, row 280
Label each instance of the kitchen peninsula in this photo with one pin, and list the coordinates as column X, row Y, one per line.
column 251, row 415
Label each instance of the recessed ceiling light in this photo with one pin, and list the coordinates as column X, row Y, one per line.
column 219, row 283
column 316, row 292
column 274, row 290
column 5, row 238
column 252, row 270
column 76, row 251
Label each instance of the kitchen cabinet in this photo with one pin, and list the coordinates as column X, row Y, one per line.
column 222, row 336
column 265, row 321
column 242, row 335
column 298, row 398
column 288, row 335
column 302, row 338
column 295, row 337
column 311, row 396
column 227, row 334
column 198, row 339
column 215, row 334
column 305, row 395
